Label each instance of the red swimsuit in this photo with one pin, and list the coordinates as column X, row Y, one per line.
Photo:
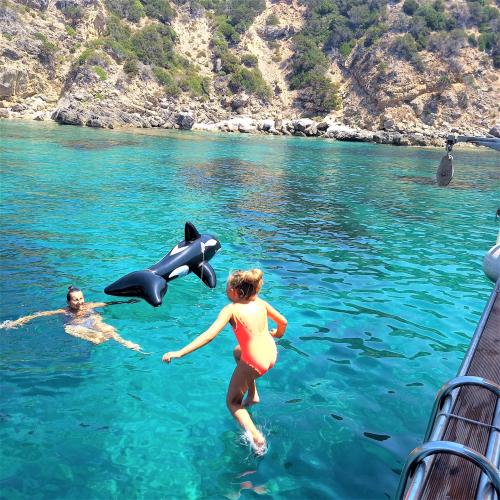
column 257, row 350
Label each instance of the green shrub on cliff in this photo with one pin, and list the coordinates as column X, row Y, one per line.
column 307, row 56
column 251, row 81
column 405, row 47
column 233, row 17
column 73, row 13
column 374, row 33
column 195, row 84
column 447, row 43
column 158, row 9
column 225, row 29
column 47, row 50
column 486, row 16
column 186, row 80
column 429, row 21
column 272, row 20
column 130, row 67
column 410, row 7
column 331, row 25
column 101, row 73
column 46, row 46
column 118, row 39
column 487, row 41
column 167, row 80
column 93, row 57
column 321, row 94
column 249, row 60
column 309, row 66
column 132, row 10
column 154, row 44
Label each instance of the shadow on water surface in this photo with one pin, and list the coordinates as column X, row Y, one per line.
column 430, row 181
column 97, row 144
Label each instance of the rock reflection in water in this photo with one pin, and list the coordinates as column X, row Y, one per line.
column 97, row 145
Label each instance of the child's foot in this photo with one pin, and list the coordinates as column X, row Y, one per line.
column 259, row 444
column 250, row 401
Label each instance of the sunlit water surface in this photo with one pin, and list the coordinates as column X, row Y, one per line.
column 378, row 271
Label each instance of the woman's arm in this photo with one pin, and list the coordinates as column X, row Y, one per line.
column 203, row 339
column 25, row 319
column 278, row 318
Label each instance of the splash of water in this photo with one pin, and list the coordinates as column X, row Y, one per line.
column 247, row 440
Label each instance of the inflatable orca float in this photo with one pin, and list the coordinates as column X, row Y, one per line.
column 190, row 255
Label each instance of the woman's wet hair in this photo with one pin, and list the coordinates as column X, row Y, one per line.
column 246, row 283
column 71, row 289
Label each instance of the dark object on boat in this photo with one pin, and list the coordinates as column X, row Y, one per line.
column 444, row 172
column 190, row 255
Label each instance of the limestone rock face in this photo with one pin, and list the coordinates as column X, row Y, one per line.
column 13, row 82
column 35, row 4
column 276, row 32
column 495, row 131
column 64, row 4
column 55, row 62
column 185, row 121
column 69, row 117
column 239, row 102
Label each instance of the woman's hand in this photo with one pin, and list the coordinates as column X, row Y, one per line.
column 8, row 324
column 169, row 356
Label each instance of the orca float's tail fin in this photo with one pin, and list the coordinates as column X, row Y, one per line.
column 190, row 232
column 143, row 284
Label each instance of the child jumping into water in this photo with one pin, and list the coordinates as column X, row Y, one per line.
column 256, row 351
column 82, row 321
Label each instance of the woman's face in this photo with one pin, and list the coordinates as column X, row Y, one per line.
column 76, row 301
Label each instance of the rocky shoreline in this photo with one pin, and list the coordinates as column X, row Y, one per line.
column 165, row 115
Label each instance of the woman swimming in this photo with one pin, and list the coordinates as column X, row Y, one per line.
column 82, row 321
column 256, row 351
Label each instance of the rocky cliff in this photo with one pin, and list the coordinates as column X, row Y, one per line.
column 252, row 66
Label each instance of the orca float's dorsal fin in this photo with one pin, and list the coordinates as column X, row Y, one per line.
column 190, row 232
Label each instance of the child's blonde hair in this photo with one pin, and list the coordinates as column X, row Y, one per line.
column 246, row 283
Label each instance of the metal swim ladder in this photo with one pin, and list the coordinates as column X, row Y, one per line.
column 490, row 478
column 466, row 409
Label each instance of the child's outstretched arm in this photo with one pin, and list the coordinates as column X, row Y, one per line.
column 22, row 321
column 279, row 319
column 203, row 339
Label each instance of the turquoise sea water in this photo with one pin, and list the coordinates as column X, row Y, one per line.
column 378, row 271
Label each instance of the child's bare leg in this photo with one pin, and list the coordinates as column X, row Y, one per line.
column 252, row 396
column 237, row 353
column 243, row 377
